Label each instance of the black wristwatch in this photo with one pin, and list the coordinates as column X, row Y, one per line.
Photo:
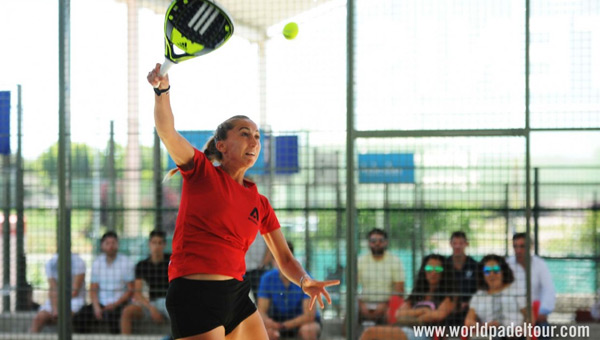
column 159, row 91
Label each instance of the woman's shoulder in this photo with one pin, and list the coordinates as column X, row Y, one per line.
column 199, row 157
column 263, row 199
column 512, row 289
column 197, row 165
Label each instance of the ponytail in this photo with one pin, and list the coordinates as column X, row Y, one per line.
column 211, row 152
column 170, row 174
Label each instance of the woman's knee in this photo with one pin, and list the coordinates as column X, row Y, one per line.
column 273, row 334
column 42, row 318
column 309, row 331
column 41, row 315
column 370, row 333
column 383, row 332
column 131, row 312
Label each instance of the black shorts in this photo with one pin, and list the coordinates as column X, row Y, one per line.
column 197, row 306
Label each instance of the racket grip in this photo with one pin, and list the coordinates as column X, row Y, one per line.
column 166, row 65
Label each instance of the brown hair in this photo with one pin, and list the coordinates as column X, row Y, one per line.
column 458, row 234
column 210, row 149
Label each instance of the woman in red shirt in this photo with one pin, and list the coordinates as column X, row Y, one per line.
column 219, row 215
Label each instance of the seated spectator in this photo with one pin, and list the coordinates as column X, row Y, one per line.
column 543, row 293
column 463, row 276
column 285, row 308
column 110, row 290
column 48, row 313
column 498, row 302
column 154, row 270
column 430, row 302
column 380, row 276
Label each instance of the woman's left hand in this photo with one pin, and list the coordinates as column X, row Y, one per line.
column 315, row 289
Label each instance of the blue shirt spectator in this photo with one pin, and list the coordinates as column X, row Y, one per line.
column 285, row 309
column 285, row 301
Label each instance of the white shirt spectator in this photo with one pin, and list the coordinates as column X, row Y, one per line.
column 112, row 278
column 377, row 277
column 542, row 286
column 77, row 268
column 504, row 307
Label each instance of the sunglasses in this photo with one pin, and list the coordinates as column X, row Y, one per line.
column 487, row 270
column 376, row 239
column 437, row 269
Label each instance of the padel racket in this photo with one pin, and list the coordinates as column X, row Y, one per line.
column 195, row 28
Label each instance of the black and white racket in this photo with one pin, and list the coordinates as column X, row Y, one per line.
column 194, row 28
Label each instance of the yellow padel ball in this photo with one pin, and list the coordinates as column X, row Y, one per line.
column 290, row 31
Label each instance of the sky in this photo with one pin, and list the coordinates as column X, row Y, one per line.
column 456, row 74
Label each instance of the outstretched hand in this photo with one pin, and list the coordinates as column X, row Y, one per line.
column 315, row 289
column 156, row 80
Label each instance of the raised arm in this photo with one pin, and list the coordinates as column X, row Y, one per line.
column 180, row 150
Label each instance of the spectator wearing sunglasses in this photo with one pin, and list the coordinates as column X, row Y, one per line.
column 498, row 302
column 543, row 293
column 463, row 275
column 430, row 302
column 380, row 275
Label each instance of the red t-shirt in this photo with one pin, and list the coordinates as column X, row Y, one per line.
column 218, row 220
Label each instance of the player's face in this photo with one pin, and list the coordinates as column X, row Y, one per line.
column 110, row 246
column 242, row 145
column 458, row 245
column 157, row 245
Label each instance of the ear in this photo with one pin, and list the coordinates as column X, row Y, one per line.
column 221, row 146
